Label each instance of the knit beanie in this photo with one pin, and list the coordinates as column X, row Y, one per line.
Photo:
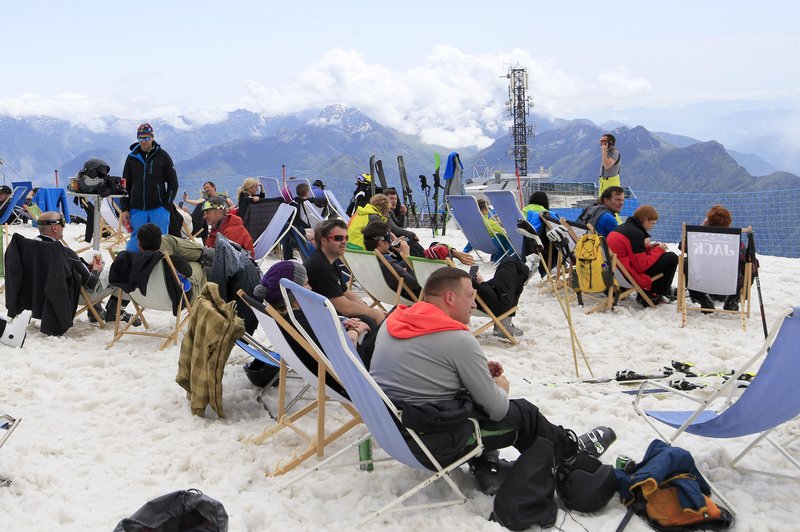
column 270, row 289
column 144, row 129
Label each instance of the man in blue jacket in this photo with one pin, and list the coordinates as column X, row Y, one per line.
column 151, row 184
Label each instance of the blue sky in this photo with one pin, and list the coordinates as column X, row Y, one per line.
column 433, row 69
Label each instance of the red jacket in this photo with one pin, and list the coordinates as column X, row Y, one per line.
column 627, row 243
column 233, row 229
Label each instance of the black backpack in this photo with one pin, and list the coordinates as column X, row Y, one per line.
column 179, row 511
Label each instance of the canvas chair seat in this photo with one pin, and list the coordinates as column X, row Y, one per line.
column 366, row 269
column 378, row 412
column 505, row 205
column 334, row 204
column 157, row 298
column 278, row 227
column 271, row 322
column 468, row 216
column 272, row 188
column 769, row 401
column 423, row 268
column 7, row 426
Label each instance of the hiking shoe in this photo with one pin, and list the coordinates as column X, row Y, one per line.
column 704, row 301
column 490, row 471
column 512, row 329
column 731, row 303
column 100, row 312
column 596, row 441
column 111, row 315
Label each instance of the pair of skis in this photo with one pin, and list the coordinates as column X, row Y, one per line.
column 376, row 169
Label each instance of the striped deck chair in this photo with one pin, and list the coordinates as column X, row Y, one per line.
column 769, row 401
column 380, row 415
column 465, row 211
column 423, row 268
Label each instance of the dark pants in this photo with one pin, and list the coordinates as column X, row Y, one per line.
column 666, row 264
column 502, row 291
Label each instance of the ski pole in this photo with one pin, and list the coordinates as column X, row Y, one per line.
column 751, row 257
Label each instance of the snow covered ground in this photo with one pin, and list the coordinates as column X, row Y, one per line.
column 104, row 431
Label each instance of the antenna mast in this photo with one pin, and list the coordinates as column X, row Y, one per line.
column 519, row 105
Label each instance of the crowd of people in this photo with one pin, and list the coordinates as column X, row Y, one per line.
column 422, row 354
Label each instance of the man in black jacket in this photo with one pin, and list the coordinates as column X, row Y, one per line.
column 151, row 184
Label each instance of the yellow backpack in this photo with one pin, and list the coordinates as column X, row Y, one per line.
column 592, row 273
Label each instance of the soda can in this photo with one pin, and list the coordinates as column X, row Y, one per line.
column 622, row 461
column 365, row 455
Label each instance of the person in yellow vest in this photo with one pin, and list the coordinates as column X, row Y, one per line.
column 610, row 159
column 376, row 210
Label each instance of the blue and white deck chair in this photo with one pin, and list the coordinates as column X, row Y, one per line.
column 276, row 229
column 505, row 205
column 769, row 401
column 7, row 426
column 272, row 188
column 269, row 319
column 468, row 215
column 9, row 215
column 376, row 409
column 334, row 204
column 255, row 349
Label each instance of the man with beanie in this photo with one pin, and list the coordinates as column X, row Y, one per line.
column 151, row 185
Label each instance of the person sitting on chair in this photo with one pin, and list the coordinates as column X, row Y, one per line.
column 425, row 354
column 220, row 221
column 93, row 276
column 5, row 196
column 603, row 215
column 500, row 293
column 251, row 191
column 209, row 191
column 643, row 258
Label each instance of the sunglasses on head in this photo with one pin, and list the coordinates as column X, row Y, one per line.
column 144, row 139
column 57, row 221
column 338, row 238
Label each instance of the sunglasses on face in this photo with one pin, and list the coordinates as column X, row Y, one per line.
column 57, row 221
column 145, row 139
column 338, row 238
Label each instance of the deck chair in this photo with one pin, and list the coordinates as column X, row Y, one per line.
column 272, row 188
column 111, row 223
column 380, row 415
column 278, row 227
column 271, row 323
column 469, row 218
column 334, row 204
column 507, row 209
column 7, row 425
column 157, row 298
column 709, row 263
column 423, row 268
column 770, row 400
column 366, row 269
column 9, row 216
column 259, row 215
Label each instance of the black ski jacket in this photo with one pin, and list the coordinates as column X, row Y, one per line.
column 150, row 179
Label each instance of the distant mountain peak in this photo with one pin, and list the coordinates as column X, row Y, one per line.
column 343, row 117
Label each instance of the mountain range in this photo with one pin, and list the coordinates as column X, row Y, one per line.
column 336, row 142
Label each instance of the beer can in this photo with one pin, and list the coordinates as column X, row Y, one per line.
column 365, row 455
column 622, row 461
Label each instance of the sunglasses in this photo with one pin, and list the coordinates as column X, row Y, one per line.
column 144, row 139
column 57, row 221
column 338, row 238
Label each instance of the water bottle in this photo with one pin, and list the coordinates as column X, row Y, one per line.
column 365, row 455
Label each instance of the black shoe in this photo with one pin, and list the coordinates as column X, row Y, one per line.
column 100, row 312
column 731, row 303
column 596, row 441
column 490, row 471
column 705, row 301
column 111, row 315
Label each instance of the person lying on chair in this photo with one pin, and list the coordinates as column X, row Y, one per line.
column 94, row 276
column 426, row 355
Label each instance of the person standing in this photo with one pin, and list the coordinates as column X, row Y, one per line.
column 609, row 162
column 151, row 184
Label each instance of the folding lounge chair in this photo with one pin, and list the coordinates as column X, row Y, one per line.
column 423, row 268
column 366, row 269
column 272, row 189
column 157, row 298
column 7, row 426
column 377, row 410
column 469, row 218
column 110, row 217
column 770, row 400
column 711, row 266
column 9, row 216
column 277, row 228
column 505, row 205
column 333, row 202
column 271, row 323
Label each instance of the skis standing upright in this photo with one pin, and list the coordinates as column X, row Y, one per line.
column 452, row 176
column 381, row 175
column 408, row 195
column 436, row 186
column 372, row 175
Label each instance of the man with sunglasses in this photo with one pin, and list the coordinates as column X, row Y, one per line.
column 325, row 274
column 151, row 184
column 94, row 279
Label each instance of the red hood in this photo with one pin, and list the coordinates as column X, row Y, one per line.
column 421, row 318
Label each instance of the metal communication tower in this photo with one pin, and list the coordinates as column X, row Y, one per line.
column 519, row 105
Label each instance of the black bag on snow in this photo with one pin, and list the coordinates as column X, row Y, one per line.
column 179, row 511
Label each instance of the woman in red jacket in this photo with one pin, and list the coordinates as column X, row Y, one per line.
column 641, row 257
